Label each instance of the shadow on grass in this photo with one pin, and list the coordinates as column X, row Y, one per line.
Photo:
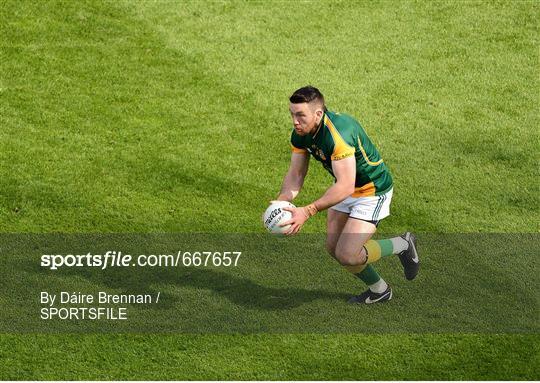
column 236, row 289
column 466, row 284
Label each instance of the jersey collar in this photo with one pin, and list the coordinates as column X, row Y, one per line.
column 320, row 125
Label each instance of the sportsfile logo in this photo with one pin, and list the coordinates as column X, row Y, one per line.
column 118, row 259
column 112, row 258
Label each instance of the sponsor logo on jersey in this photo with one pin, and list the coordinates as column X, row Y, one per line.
column 342, row 156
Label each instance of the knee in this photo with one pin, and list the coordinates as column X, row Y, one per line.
column 347, row 258
column 331, row 243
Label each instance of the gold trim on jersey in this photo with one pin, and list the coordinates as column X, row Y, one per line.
column 341, row 148
column 371, row 163
column 319, row 127
column 298, row 150
column 367, row 190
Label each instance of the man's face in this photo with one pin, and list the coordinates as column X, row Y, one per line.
column 306, row 117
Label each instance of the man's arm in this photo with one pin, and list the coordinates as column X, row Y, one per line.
column 294, row 179
column 345, row 172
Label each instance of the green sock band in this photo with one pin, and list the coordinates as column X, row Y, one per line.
column 369, row 276
column 387, row 248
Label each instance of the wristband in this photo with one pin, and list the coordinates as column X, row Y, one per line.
column 310, row 210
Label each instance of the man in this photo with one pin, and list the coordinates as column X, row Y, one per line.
column 359, row 198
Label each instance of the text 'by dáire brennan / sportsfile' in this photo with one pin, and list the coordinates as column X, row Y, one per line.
column 113, row 306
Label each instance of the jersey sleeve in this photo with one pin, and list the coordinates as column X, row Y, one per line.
column 296, row 144
column 342, row 148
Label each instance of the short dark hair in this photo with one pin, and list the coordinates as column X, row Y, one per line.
column 307, row 94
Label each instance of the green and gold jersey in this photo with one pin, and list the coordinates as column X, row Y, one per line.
column 340, row 136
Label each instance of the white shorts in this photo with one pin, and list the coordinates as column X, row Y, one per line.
column 372, row 208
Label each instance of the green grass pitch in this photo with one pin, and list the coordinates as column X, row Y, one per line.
column 139, row 116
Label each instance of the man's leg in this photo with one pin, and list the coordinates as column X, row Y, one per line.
column 377, row 208
column 345, row 238
column 335, row 222
column 349, row 242
column 403, row 246
column 350, row 252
